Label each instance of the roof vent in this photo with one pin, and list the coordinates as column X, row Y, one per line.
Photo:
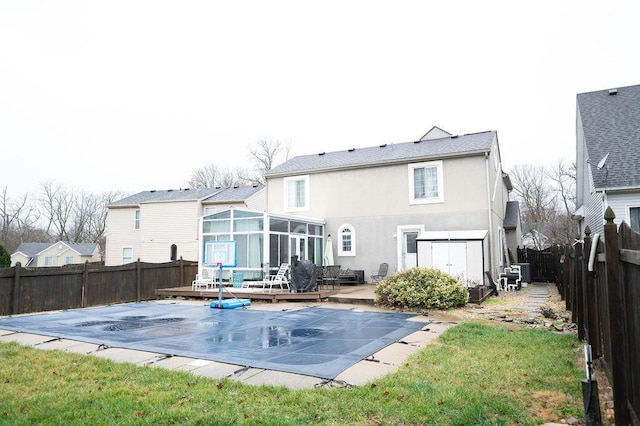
column 169, row 190
column 322, row 153
column 417, row 141
column 236, row 186
column 454, row 136
column 613, row 92
column 383, row 145
column 351, row 149
column 153, row 190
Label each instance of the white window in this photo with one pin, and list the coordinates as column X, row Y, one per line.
column 48, row 261
column 425, row 183
column 127, row 255
column 68, row 260
column 296, row 193
column 136, row 220
column 209, row 210
column 346, row 240
column 634, row 218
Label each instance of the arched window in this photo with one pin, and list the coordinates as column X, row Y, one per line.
column 346, row 240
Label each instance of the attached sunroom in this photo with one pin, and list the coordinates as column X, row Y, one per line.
column 263, row 240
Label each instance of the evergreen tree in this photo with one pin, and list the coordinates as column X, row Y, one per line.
column 5, row 257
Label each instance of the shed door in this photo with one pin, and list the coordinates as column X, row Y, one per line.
column 450, row 258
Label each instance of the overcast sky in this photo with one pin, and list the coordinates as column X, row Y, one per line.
column 136, row 95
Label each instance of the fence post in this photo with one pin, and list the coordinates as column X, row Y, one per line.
column 85, row 279
column 181, row 272
column 15, row 302
column 577, row 284
column 138, row 279
column 616, row 319
column 590, row 299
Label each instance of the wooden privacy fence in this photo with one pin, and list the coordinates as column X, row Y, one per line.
column 543, row 264
column 24, row 290
column 604, row 297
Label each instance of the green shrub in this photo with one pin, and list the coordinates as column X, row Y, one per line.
column 5, row 257
column 421, row 288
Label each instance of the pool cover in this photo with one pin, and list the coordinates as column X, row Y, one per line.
column 315, row 341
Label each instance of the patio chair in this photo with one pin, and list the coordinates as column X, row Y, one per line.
column 330, row 276
column 279, row 279
column 206, row 279
column 382, row 272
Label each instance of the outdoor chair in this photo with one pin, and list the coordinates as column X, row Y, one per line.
column 330, row 275
column 205, row 279
column 382, row 272
column 279, row 279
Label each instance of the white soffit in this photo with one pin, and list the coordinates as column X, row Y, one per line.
column 453, row 235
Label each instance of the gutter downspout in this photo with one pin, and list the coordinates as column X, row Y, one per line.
column 492, row 249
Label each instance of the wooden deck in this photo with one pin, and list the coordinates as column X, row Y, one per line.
column 274, row 296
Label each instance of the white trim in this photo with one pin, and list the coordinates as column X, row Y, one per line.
column 400, row 230
column 132, row 255
column 136, row 219
column 628, row 213
column 439, row 176
column 352, row 233
column 286, row 181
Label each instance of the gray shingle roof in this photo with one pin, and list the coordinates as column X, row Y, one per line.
column 237, row 193
column 389, row 153
column 611, row 124
column 511, row 215
column 166, row 195
column 32, row 249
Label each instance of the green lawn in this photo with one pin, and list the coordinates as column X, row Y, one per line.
column 473, row 374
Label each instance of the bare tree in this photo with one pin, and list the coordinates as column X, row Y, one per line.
column 18, row 221
column 546, row 197
column 57, row 205
column 212, row 175
column 266, row 153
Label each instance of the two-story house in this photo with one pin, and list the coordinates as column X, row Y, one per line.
column 160, row 226
column 608, row 157
column 55, row 254
column 379, row 203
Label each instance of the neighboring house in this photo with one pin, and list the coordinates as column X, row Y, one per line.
column 160, row 226
column 55, row 254
column 444, row 194
column 513, row 229
column 608, row 157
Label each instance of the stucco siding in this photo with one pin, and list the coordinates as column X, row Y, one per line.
column 384, row 191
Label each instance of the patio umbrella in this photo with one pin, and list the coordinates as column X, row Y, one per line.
column 328, row 252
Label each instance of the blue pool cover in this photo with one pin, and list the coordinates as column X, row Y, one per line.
column 315, row 341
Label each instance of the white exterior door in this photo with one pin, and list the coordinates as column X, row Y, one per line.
column 451, row 258
column 409, row 249
column 298, row 246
